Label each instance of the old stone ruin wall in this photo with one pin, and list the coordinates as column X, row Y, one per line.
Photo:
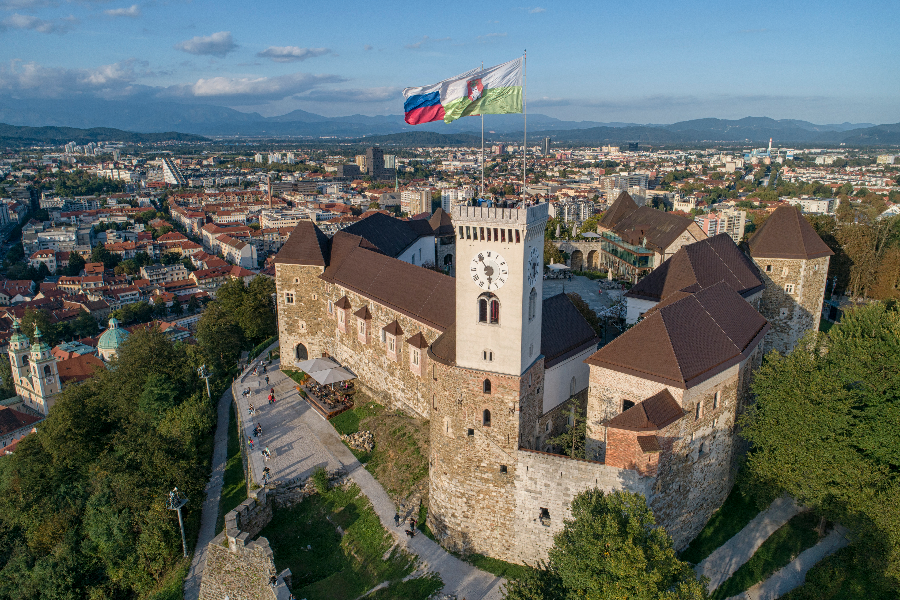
column 239, row 567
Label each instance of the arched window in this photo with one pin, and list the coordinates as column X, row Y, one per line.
column 300, row 352
column 486, row 418
column 486, row 386
column 488, row 309
column 532, row 304
column 482, row 310
column 448, row 260
column 47, row 372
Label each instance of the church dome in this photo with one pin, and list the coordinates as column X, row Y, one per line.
column 112, row 338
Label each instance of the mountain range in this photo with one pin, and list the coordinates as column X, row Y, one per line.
column 223, row 122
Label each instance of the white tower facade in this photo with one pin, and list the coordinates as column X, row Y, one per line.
column 499, row 287
column 34, row 369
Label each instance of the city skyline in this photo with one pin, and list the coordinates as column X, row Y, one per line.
column 814, row 62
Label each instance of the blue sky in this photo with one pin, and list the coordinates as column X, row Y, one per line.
column 650, row 62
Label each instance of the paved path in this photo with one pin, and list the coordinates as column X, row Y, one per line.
column 728, row 557
column 211, row 505
column 300, row 440
column 794, row 573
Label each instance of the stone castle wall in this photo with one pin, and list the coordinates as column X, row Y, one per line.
column 791, row 314
column 550, row 481
column 303, row 321
column 473, row 465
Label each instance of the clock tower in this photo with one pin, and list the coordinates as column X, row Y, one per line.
column 499, row 285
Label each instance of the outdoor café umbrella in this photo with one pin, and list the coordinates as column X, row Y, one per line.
column 316, row 364
column 330, row 376
column 557, row 267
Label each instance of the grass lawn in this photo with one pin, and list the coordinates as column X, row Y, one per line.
column 234, row 486
column 728, row 520
column 782, row 547
column 324, row 564
column 171, row 587
column 845, row 575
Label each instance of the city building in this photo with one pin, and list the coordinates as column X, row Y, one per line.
column 111, row 340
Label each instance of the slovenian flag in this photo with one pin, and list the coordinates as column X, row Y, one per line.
column 492, row 91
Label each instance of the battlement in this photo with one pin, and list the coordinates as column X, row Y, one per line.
column 505, row 216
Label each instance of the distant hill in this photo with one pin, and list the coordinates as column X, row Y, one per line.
column 421, row 138
column 16, row 136
column 219, row 121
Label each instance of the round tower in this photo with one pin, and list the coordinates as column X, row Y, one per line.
column 793, row 261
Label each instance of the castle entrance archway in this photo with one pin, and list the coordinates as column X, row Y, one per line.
column 577, row 260
column 592, row 260
column 300, row 352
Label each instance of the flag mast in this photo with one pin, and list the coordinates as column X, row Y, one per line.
column 482, row 146
column 525, row 132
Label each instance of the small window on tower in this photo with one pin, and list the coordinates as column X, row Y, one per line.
column 784, row 271
column 517, row 236
column 462, row 233
column 768, row 268
column 789, row 288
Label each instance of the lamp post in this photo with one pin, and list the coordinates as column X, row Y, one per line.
column 204, row 374
column 175, row 502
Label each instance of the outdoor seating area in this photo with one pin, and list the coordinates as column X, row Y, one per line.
column 557, row 271
column 328, row 388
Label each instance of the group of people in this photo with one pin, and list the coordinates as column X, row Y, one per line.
column 260, row 370
column 411, row 532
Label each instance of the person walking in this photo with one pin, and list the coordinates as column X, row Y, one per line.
column 397, row 519
column 250, row 441
column 267, row 380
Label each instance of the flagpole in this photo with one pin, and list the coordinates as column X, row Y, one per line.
column 482, row 146
column 525, row 133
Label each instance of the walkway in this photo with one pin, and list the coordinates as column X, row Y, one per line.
column 211, row 505
column 794, row 573
column 728, row 557
column 300, row 440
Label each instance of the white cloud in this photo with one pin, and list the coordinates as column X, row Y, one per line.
column 33, row 80
column 29, row 22
column 292, row 53
column 217, row 44
column 132, row 11
column 250, row 90
column 536, row 9
column 488, row 36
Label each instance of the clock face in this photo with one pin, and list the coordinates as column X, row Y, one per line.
column 534, row 266
column 489, row 270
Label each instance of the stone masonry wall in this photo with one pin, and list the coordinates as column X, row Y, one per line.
column 304, row 320
column 473, row 466
column 550, row 481
column 389, row 378
column 238, row 575
column 791, row 314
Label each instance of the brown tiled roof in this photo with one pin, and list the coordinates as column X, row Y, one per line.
column 623, row 206
column 79, row 368
column 393, row 328
column 652, row 414
column 391, row 236
column 307, row 245
column 418, row 341
column 443, row 349
column 424, row 295
column 687, row 341
column 786, row 234
column 440, row 222
column 701, row 264
column 364, row 313
column 651, row 228
column 12, row 420
column 564, row 332
column 649, row 444
column 343, row 303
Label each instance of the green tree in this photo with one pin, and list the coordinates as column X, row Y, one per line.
column 85, row 325
column 823, row 429
column 7, row 389
column 193, row 304
column 219, row 337
column 159, row 308
column 571, row 442
column 177, row 309
column 170, row 258
column 37, row 318
column 611, row 548
column 76, row 264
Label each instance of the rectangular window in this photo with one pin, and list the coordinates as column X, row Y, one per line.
column 289, row 297
column 716, row 399
column 698, row 411
column 495, row 234
column 789, row 288
column 468, row 233
column 768, row 268
column 489, row 234
column 383, row 336
column 502, row 235
column 391, row 343
column 341, row 317
column 481, row 234
column 330, row 307
column 462, row 233
column 784, row 272
column 517, row 236
column 415, row 357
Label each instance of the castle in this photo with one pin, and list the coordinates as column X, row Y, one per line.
column 492, row 364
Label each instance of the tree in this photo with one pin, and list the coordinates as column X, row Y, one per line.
column 159, row 308
column 170, row 258
column 193, row 304
column 571, row 442
column 7, row 388
column 176, row 306
column 823, row 429
column 219, row 337
column 85, row 325
column 611, row 548
column 76, row 264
